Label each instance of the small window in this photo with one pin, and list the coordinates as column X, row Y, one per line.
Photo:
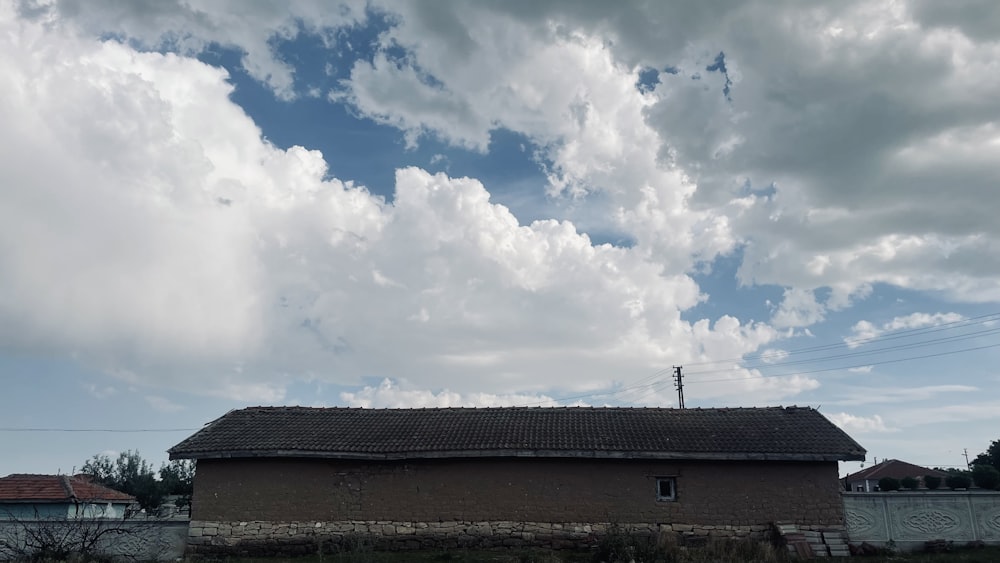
column 666, row 488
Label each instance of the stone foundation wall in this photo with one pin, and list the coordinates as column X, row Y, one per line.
column 258, row 538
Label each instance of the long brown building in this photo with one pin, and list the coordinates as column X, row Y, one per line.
column 282, row 480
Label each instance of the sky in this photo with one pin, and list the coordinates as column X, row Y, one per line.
column 208, row 205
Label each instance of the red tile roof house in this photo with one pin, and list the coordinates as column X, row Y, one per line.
column 55, row 510
column 32, row 497
column 866, row 480
column 294, row 480
column 61, row 512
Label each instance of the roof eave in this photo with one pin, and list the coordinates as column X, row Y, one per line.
column 522, row 453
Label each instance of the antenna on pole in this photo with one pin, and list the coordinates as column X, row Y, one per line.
column 679, row 383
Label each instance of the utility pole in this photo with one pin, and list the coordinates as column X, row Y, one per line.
column 679, row 383
column 966, row 450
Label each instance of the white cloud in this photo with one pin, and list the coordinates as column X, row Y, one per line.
column 966, row 413
column 857, row 143
column 874, row 395
column 865, row 331
column 173, row 248
column 191, row 26
column 861, row 424
column 101, row 392
column 798, row 308
column 162, row 404
column 856, row 156
column 773, row 355
column 857, row 147
column 389, row 394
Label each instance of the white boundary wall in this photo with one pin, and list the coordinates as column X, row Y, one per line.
column 910, row 518
column 142, row 540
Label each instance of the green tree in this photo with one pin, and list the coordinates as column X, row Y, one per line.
column 887, row 484
column 177, row 478
column 990, row 457
column 985, row 476
column 958, row 481
column 130, row 474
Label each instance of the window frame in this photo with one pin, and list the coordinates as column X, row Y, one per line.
column 672, row 480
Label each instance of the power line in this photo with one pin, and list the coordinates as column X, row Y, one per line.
column 657, row 381
column 920, row 344
column 897, row 360
column 980, row 319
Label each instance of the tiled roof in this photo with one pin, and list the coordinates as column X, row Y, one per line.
column 752, row 433
column 56, row 488
column 892, row 468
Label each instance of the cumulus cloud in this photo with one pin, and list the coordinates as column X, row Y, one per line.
column 829, row 149
column 787, row 137
column 173, row 247
column 798, row 308
column 837, row 146
column 190, row 26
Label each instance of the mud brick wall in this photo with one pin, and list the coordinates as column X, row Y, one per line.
column 724, row 493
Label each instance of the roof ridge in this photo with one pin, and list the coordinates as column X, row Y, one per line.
column 509, row 408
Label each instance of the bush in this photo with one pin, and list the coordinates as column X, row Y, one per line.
column 958, row 481
column 985, row 476
column 886, row 484
column 909, row 483
column 932, row 482
column 620, row 545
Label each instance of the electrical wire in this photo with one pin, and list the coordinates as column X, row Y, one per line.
column 921, row 344
column 897, row 360
column 980, row 319
column 657, row 381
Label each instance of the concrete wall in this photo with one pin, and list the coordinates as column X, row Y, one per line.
column 910, row 518
column 22, row 511
column 61, row 510
column 142, row 540
column 245, row 500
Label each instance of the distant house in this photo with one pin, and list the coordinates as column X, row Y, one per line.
column 866, row 480
column 31, row 497
column 275, row 480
